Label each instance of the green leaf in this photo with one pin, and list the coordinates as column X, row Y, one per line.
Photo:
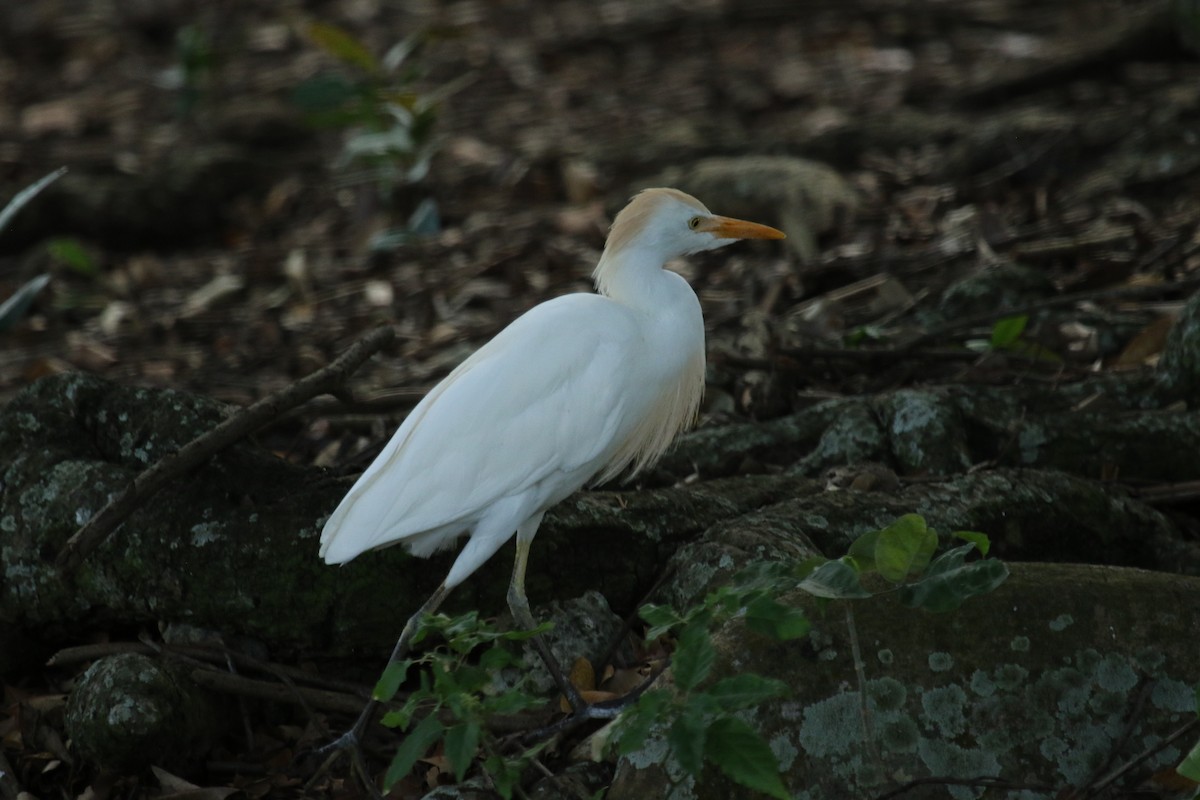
column 1006, row 331
column 741, row 753
column 496, row 658
column 1190, row 766
column 462, row 741
column 469, row 678
column 512, row 701
column 980, row 540
column 342, row 46
column 745, row 690
column 904, row 548
column 401, row 717
column 693, row 657
column 414, row 746
column 862, row 550
column 949, row 582
column 768, row 616
column 69, row 251
column 661, row 619
column 835, row 580
column 390, row 680
column 505, row 774
column 686, row 738
column 520, row 636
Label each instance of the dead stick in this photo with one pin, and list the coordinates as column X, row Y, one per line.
column 229, row 683
column 192, row 454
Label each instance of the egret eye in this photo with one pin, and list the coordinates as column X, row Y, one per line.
column 694, row 223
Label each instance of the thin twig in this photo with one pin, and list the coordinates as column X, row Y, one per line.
column 1141, row 757
column 241, row 686
column 210, row 655
column 1132, row 720
column 241, row 424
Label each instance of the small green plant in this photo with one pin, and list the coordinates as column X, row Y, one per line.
column 456, row 683
column 1007, row 332
column 700, row 717
column 70, row 252
column 1008, row 336
column 457, row 696
column 389, row 125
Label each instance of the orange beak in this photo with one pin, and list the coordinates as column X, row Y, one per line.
column 730, row 228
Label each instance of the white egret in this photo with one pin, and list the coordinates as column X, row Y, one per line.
column 582, row 386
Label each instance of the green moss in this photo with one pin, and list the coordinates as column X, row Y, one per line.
column 941, row 662
column 1173, row 695
column 947, row 758
column 981, row 684
column 1010, row 676
column 1114, row 674
column 1019, row 644
column 943, row 710
column 832, row 728
column 1061, row 623
column 887, row 694
column 785, row 751
column 900, row 735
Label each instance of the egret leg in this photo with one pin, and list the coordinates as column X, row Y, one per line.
column 518, row 604
column 351, row 738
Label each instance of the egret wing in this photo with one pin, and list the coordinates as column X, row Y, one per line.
column 539, row 408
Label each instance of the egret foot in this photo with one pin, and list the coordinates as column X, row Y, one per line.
column 351, row 741
column 607, row 709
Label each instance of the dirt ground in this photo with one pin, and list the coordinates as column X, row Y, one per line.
column 210, row 235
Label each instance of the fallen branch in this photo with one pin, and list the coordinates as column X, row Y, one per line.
column 215, row 656
column 241, row 686
column 327, row 379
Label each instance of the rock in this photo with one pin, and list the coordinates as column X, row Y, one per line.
column 583, row 627
column 238, row 534
column 1037, row 683
column 577, row 782
column 987, row 289
column 925, row 433
column 128, row 712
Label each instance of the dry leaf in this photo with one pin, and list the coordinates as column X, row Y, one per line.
column 1145, row 347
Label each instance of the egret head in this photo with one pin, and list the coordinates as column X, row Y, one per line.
column 674, row 224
